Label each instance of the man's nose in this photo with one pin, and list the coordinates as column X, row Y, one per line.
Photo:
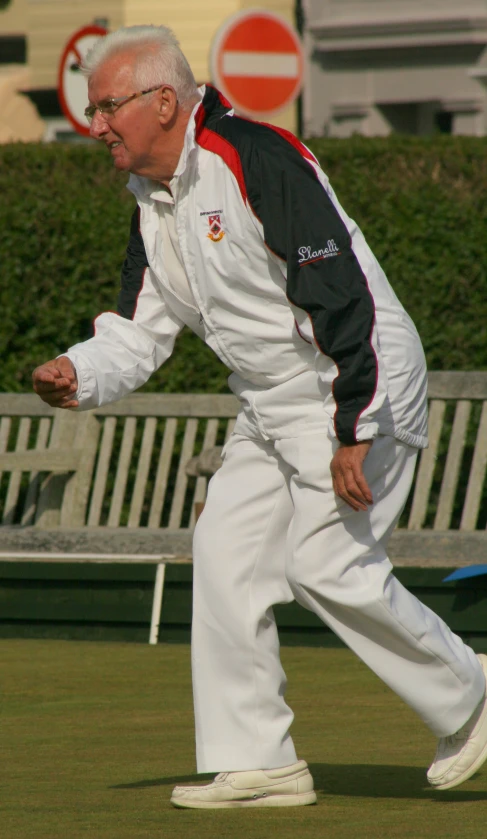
column 99, row 126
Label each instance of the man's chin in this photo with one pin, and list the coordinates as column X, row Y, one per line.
column 119, row 159
column 121, row 165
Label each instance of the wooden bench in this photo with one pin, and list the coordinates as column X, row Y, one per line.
column 110, row 485
column 122, row 465
column 121, row 469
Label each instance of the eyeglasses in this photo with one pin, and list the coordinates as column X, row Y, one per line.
column 110, row 106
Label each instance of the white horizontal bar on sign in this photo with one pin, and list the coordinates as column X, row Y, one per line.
column 282, row 65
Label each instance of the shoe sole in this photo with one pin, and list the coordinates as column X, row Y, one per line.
column 298, row 800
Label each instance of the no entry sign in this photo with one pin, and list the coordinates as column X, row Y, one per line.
column 257, row 62
column 72, row 86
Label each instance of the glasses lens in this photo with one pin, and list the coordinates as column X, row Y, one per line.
column 107, row 106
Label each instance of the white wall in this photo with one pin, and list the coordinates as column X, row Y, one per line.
column 369, row 54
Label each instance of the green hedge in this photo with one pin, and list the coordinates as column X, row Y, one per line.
column 64, row 216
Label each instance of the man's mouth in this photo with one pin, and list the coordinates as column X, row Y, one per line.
column 114, row 145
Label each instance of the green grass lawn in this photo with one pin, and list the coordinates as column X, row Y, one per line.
column 95, row 735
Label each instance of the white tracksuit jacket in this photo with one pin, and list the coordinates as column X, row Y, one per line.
column 288, row 294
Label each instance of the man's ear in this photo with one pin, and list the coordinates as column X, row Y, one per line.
column 168, row 103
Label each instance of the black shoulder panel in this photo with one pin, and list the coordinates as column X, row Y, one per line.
column 133, row 270
column 303, row 227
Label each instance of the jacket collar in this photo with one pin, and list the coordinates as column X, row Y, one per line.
column 212, row 107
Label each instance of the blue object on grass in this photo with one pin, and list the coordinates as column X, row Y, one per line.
column 464, row 573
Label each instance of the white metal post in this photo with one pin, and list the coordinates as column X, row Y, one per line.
column 157, row 603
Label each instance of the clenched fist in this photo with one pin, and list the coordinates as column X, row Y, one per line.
column 56, row 382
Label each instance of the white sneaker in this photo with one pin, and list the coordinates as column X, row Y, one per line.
column 289, row 786
column 461, row 754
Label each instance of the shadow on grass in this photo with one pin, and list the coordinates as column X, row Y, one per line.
column 166, row 781
column 352, row 780
column 380, row 781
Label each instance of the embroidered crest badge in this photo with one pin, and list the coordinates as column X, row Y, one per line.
column 216, row 231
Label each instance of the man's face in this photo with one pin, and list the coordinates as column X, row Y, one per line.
column 133, row 131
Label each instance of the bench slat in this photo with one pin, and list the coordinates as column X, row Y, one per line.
column 53, row 487
column 16, row 476
column 121, row 476
column 204, row 405
column 181, row 477
column 5, row 424
column 57, row 460
column 101, row 475
column 24, row 404
column 209, row 441
column 163, row 466
column 452, row 465
column 76, row 494
column 476, row 478
column 28, row 513
column 427, row 465
column 230, row 426
column 143, row 467
column 457, row 384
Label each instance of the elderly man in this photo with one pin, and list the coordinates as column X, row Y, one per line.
column 238, row 234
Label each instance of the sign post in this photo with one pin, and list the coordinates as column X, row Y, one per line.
column 257, row 62
column 72, row 86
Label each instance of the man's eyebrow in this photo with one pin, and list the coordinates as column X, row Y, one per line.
column 101, row 99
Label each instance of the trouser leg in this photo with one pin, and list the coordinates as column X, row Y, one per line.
column 272, row 528
column 241, row 717
column 338, row 567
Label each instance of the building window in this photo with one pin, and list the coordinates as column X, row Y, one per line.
column 13, row 49
column 444, row 122
column 418, row 118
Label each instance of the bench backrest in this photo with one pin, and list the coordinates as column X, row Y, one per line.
column 124, row 464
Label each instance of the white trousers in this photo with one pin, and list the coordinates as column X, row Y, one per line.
column 272, row 531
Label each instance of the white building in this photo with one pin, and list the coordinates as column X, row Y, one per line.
column 412, row 66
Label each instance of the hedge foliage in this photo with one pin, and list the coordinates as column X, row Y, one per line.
column 64, row 216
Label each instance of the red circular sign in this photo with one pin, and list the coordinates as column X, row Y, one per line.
column 72, row 86
column 257, row 62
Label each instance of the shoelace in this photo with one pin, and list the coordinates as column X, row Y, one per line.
column 222, row 776
column 453, row 739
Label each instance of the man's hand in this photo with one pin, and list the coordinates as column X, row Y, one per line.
column 348, row 478
column 55, row 382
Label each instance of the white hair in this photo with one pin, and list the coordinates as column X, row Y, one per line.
column 158, row 60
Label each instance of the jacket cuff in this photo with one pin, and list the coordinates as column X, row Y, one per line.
column 365, row 431
column 87, row 393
